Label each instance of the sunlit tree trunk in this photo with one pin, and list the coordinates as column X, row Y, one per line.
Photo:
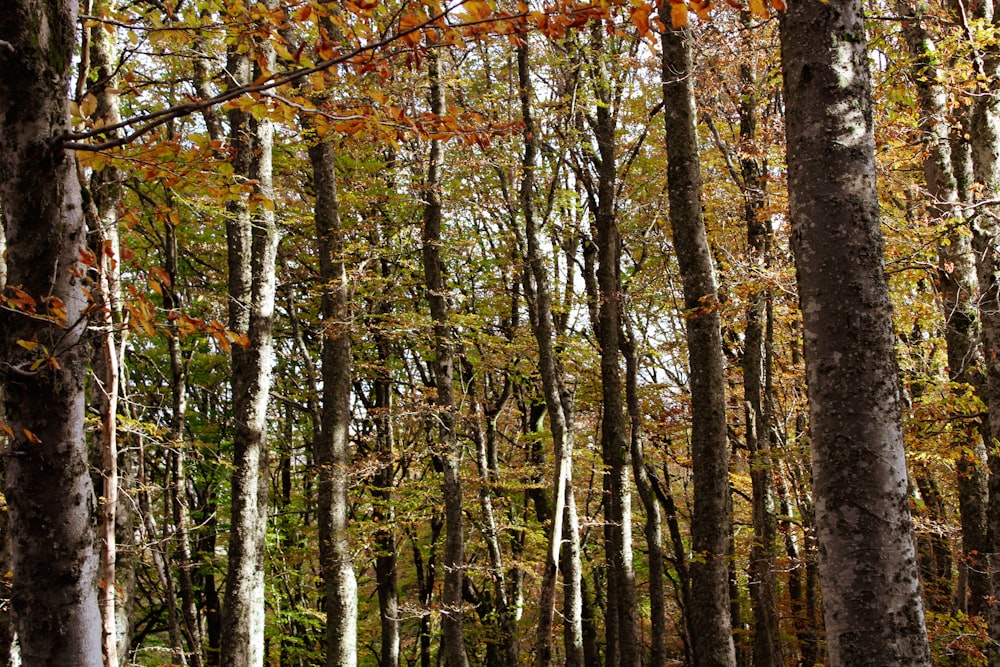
column 710, row 624
column 871, row 590
column 48, row 488
column 959, row 292
column 252, row 239
column 654, row 524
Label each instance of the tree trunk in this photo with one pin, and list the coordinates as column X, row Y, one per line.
column 757, row 386
column 48, row 488
column 654, row 524
column 443, row 366
column 984, row 142
column 710, row 625
column 871, row 590
column 252, row 238
column 959, row 294
column 383, row 511
column 622, row 618
column 332, row 448
column 558, row 404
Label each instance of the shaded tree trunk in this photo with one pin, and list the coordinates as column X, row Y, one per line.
column 871, row 590
column 443, row 367
column 559, row 407
column 332, row 448
column 48, row 487
column 710, row 624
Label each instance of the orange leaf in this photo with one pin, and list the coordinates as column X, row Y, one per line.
column 678, row 15
column 640, row 18
column 30, row 436
column 408, row 22
column 6, row 429
column 778, row 5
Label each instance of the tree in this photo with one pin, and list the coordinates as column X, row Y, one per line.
column 252, row 240
column 711, row 630
column 871, row 591
column 43, row 321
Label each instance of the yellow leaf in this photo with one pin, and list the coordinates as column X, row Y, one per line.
column 759, row 9
column 28, row 344
column 477, row 10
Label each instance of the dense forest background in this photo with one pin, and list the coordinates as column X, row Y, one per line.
column 414, row 333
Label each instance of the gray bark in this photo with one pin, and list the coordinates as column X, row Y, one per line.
column 984, row 143
column 558, row 403
column 443, row 367
column 332, row 447
column 959, row 294
column 710, row 624
column 252, row 239
column 621, row 617
column 871, row 590
column 48, row 488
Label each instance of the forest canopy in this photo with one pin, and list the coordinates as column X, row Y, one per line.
column 399, row 332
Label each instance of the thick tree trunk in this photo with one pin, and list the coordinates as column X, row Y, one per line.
column 443, row 366
column 332, row 448
column 871, row 590
column 252, row 238
column 710, row 624
column 48, row 488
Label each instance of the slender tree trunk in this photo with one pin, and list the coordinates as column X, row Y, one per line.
column 105, row 195
column 757, row 389
column 871, row 590
column 443, row 366
column 48, row 487
column 386, row 556
column 252, row 238
column 621, row 620
column 559, row 407
column 984, row 143
column 178, row 456
column 332, row 449
column 710, row 625
column 959, row 293
column 654, row 524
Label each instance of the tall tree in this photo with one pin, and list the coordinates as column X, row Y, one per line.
column 871, row 590
column 48, row 488
column 558, row 403
column 443, row 370
column 332, row 447
column 252, row 240
column 710, row 624
column 958, row 287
